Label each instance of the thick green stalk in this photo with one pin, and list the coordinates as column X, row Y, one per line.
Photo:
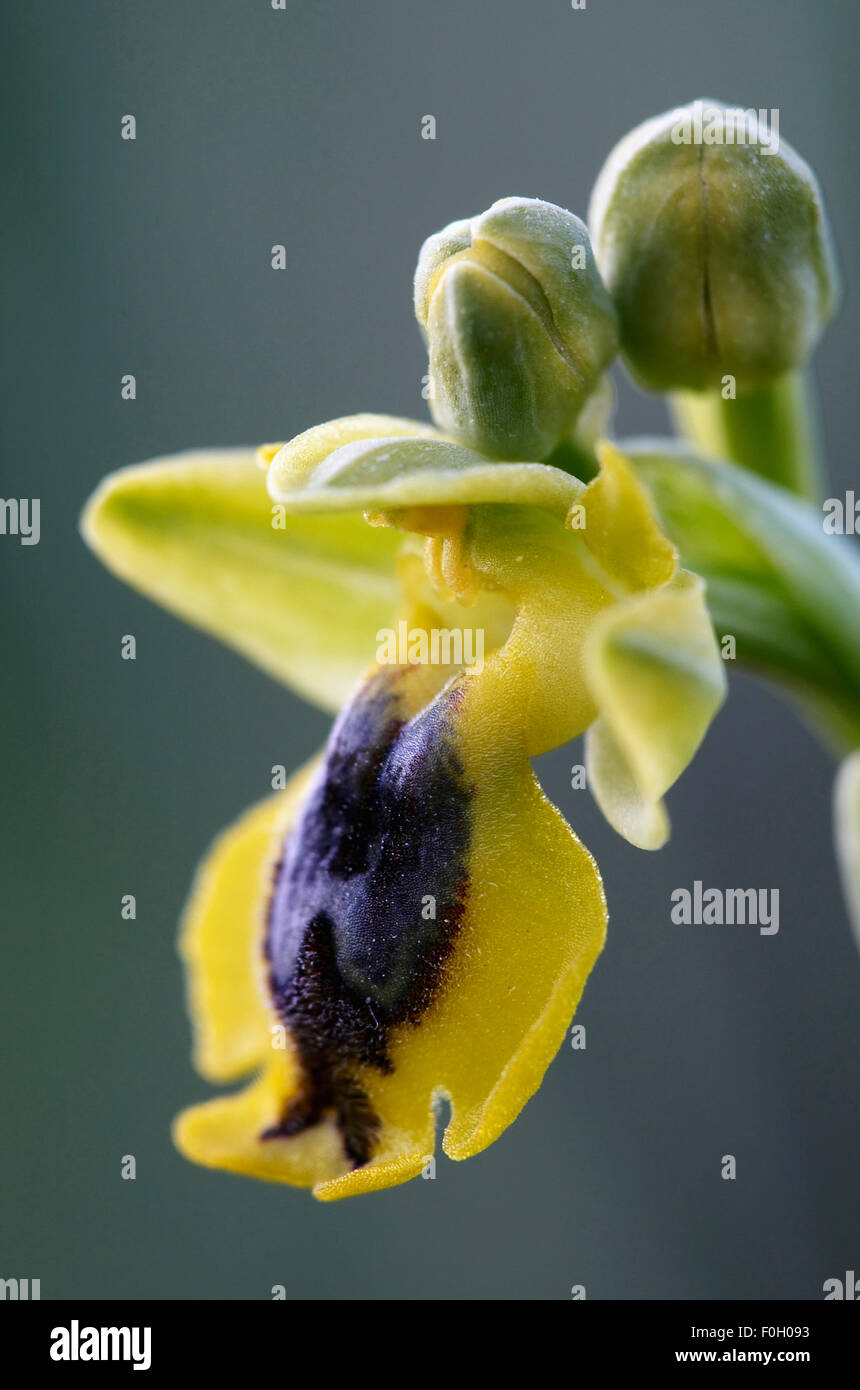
column 772, row 431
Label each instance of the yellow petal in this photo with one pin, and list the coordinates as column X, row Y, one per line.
column 538, row 677
column 431, row 927
column 657, row 678
column 534, row 924
column 222, row 933
column 641, row 819
column 302, row 597
column 224, row 1133
column 621, row 529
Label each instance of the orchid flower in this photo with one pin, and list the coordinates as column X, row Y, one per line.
column 409, row 919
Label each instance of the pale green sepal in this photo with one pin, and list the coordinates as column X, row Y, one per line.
column 384, row 474
column 293, row 464
column 303, row 600
column 657, row 678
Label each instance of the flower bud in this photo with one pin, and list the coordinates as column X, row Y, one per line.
column 712, row 239
column 518, row 324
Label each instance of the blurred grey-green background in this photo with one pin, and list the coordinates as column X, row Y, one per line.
column 302, row 127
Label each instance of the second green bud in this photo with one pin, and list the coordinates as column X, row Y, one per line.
column 518, row 324
column 711, row 236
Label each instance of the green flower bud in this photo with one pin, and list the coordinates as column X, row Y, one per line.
column 518, row 324
column 712, row 239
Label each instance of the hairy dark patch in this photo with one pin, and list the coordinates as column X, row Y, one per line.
column 349, row 952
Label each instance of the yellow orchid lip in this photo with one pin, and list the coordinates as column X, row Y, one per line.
column 397, row 942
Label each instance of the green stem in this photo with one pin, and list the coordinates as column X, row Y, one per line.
column 772, row 431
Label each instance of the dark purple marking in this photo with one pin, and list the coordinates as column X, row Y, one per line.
column 349, row 952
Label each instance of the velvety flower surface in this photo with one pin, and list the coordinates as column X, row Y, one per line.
column 411, row 919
